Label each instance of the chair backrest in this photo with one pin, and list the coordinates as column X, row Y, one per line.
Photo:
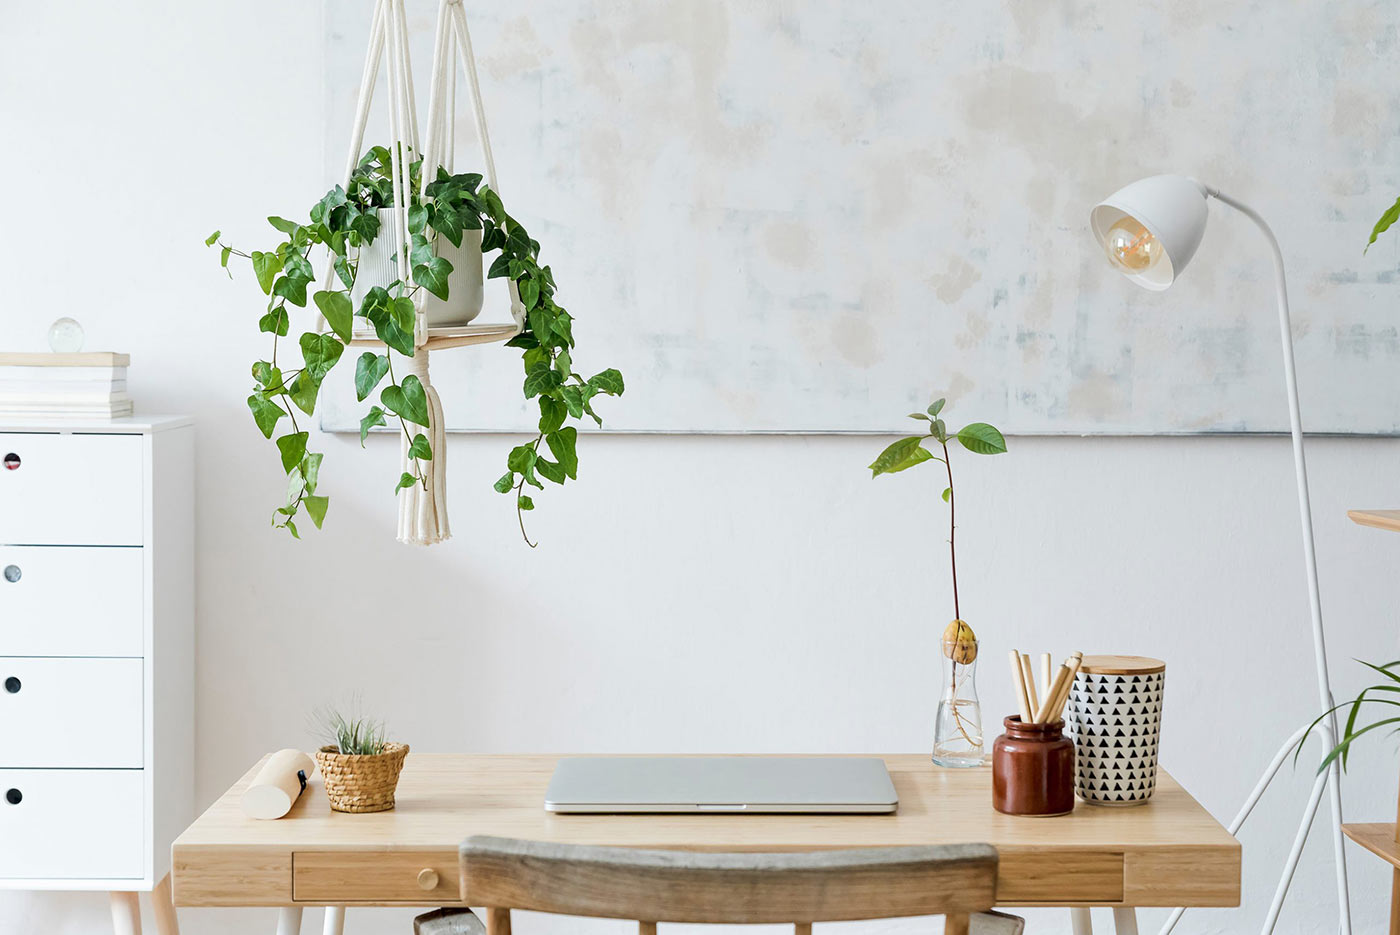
column 698, row 886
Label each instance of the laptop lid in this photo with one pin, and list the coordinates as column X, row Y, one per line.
column 727, row 784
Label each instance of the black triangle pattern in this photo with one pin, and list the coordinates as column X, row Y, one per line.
column 1115, row 722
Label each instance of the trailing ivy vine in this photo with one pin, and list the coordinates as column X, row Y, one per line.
column 343, row 222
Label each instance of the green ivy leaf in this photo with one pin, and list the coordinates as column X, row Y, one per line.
column 549, row 470
column 897, row 456
column 338, row 311
column 212, row 239
column 939, row 430
column 981, row 438
column 421, row 252
column 433, row 276
column 292, row 289
column 563, row 445
column 504, row 483
column 541, row 322
column 564, row 327
column 342, row 269
column 320, row 352
column 297, row 266
column 407, row 400
column 265, row 414
column 524, row 502
column 446, row 221
column 291, row 527
column 369, row 370
column 405, row 480
column 521, row 459
column 311, row 471
column 552, row 413
column 609, row 381
column 541, row 380
column 224, row 254
column 499, row 267
column 267, row 376
column 573, row 400
column 420, row 449
column 529, row 292
column 266, row 266
column 403, row 312
column 303, row 391
column 417, row 219
column 936, row 406
column 374, row 418
column 275, row 322
column 316, row 509
column 285, row 226
column 293, row 448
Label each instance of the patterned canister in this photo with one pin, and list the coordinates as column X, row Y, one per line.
column 1114, row 717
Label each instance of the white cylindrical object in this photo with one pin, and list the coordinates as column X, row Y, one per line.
column 378, row 266
column 277, row 785
column 1114, row 717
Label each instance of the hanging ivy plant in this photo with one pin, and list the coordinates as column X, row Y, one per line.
column 343, row 223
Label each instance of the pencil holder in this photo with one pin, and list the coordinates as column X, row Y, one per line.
column 1032, row 769
column 1115, row 718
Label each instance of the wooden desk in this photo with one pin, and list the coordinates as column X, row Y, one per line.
column 1169, row 852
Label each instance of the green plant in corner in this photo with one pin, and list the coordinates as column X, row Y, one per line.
column 959, row 642
column 1385, row 693
column 341, row 224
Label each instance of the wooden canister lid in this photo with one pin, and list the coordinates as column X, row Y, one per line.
column 1121, row 665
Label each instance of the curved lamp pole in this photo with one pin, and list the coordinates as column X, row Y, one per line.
column 1150, row 230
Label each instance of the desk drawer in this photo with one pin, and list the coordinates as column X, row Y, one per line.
column 376, row 877
column 81, row 601
column 71, row 713
column 72, row 823
column 1049, row 878
column 71, row 489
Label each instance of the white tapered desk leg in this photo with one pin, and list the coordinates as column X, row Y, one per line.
column 164, row 908
column 1080, row 921
column 126, row 914
column 1124, row 920
column 289, row 920
column 335, row 921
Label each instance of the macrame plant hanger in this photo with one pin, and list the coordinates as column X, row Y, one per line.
column 423, row 508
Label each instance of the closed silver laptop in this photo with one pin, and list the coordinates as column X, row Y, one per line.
column 726, row 784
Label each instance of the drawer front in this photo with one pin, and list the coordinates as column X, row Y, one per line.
column 64, row 601
column 1048, row 878
column 70, row 713
column 422, row 878
column 71, row 489
column 72, row 824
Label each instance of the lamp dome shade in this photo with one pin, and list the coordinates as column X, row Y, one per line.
column 1152, row 228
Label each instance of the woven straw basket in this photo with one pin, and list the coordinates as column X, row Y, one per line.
column 361, row 783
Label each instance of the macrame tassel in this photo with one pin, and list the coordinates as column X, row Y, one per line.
column 423, row 512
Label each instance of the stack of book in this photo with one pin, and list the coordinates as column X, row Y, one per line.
column 42, row 386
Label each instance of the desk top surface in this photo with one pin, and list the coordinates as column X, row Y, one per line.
column 1168, row 852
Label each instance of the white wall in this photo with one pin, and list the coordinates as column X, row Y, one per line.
column 690, row 594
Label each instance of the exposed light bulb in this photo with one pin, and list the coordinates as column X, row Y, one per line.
column 1132, row 247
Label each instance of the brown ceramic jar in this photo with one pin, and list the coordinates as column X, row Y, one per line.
column 1032, row 769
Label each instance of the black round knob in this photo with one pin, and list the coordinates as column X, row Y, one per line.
column 12, row 685
column 12, row 462
column 14, row 796
column 12, row 573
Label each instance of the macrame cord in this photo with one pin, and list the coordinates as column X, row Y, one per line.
column 422, row 508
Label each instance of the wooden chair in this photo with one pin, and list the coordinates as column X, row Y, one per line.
column 745, row 888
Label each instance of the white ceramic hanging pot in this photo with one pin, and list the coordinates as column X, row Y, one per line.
column 465, row 284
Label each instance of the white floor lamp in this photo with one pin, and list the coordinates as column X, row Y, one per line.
column 1151, row 229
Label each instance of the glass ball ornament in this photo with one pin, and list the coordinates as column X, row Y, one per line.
column 66, row 336
column 1132, row 247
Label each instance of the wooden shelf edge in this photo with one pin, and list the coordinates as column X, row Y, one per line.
column 1378, row 519
column 1378, row 838
column 443, row 338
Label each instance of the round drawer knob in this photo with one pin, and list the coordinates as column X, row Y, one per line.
column 12, row 462
column 14, row 796
column 12, row 685
column 12, row 573
column 427, row 878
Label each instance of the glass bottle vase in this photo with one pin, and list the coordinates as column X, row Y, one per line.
column 957, row 736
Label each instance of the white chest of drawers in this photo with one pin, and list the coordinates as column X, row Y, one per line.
column 96, row 653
